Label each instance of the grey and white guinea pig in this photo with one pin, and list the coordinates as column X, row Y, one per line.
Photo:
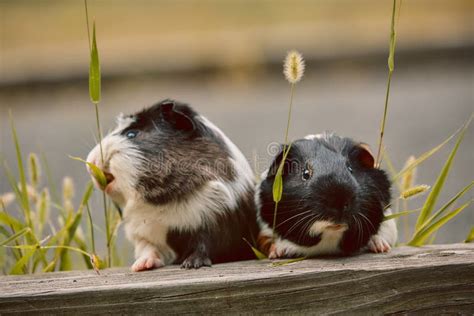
column 186, row 191
column 333, row 200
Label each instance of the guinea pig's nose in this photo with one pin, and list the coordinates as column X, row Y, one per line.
column 339, row 198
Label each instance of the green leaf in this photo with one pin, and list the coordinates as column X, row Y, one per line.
column 87, row 194
column 260, row 255
column 434, row 194
column 91, row 228
column 9, row 220
column 16, row 236
column 420, row 238
column 4, row 232
column 446, row 206
column 19, row 266
column 94, row 70
column 470, row 237
column 97, row 173
column 277, row 187
column 25, row 204
column 278, row 182
column 82, row 245
column 395, row 215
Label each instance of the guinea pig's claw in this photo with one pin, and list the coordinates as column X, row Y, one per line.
column 274, row 253
column 378, row 244
column 147, row 263
column 195, row 261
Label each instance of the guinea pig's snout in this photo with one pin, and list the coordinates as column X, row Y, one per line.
column 338, row 197
column 341, row 200
column 95, row 158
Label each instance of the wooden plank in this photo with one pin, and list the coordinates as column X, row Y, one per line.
column 432, row 279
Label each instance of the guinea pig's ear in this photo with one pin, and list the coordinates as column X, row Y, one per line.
column 361, row 154
column 175, row 117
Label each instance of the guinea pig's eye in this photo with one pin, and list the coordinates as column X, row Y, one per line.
column 350, row 169
column 306, row 174
column 131, row 134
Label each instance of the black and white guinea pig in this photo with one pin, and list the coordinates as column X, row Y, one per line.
column 186, row 191
column 333, row 200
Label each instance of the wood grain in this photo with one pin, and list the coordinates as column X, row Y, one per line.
column 432, row 279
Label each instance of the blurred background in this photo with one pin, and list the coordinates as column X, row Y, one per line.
column 225, row 59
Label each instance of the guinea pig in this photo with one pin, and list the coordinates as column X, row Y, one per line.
column 333, row 200
column 186, row 191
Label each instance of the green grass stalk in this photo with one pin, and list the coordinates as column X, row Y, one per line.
column 391, row 66
column 94, row 90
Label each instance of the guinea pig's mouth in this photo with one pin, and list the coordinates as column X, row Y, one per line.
column 109, row 178
column 337, row 227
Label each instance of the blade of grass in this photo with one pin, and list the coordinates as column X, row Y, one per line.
column 91, row 228
column 97, row 173
column 391, row 67
column 21, row 171
column 9, row 220
column 420, row 238
column 94, row 70
column 15, row 236
column 20, row 265
column 435, row 191
column 446, row 206
column 32, row 248
column 14, row 227
column 5, row 232
column 72, row 228
column 82, row 245
column 425, row 156
column 278, row 187
column 470, row 237
column 403, row 213
column 284, row 263
column 258, row 254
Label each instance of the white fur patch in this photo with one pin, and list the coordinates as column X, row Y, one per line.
column 123, row 122
column 122, row 158
column 328, row 245
column 245, row 179
column 388, row 230
column 144, row 221
column 313, row 136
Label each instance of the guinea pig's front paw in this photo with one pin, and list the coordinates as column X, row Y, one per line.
column 378, row 244
column 147, row 263
column 274, row 253
column 196, row 260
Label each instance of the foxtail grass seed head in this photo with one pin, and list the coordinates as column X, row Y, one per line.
column 411, row 192
column 293, row 67
column 30, row 191
column 43, row 206
column 34, row 169
column 7, row 198
column 68, row 189
column 408, row 179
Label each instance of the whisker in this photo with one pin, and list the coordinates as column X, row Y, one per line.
column 295, row 216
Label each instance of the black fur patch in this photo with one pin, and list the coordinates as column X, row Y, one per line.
column 180, row 153
column 223, row 240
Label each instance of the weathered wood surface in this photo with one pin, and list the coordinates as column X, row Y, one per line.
column 432, row 279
